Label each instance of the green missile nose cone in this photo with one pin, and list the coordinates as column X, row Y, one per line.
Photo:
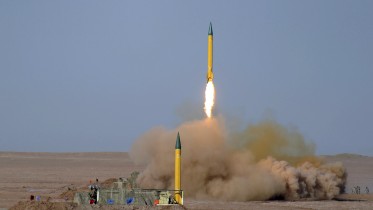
column 210, row 29
column 178, row 143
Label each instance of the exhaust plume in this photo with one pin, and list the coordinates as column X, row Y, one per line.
column 265, row 161
column 209, row 98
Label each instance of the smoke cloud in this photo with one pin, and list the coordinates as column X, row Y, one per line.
column 265, row 161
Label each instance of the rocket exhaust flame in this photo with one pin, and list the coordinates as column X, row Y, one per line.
column 209, row 98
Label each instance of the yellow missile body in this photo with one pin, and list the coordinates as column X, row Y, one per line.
column 178, row 194
column 210, row 39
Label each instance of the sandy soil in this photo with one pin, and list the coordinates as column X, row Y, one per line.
column 51, row 174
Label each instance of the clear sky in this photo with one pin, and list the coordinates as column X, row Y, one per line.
column 95, row 75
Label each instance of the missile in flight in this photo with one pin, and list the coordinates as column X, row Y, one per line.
column 210, row 74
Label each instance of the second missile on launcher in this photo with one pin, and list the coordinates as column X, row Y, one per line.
column 178, row 193
column 210, row 74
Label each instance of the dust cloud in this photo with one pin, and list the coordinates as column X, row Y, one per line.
column 264, row 161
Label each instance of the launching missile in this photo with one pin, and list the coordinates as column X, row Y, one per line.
column 178, row 194
column 210, row 74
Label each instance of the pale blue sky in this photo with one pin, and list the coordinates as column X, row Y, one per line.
column 95, row 75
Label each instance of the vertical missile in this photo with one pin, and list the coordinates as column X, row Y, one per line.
column 210, row 74
column 178, row 195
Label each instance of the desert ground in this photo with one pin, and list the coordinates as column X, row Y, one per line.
column 51, row 174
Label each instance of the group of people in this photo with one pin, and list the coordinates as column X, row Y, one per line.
column 356, row 190
column 93, row 194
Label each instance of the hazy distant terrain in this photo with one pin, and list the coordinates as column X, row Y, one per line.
column 359, row 169
column 50, row 174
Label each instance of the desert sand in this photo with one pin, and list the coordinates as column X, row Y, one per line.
column 50, row 174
